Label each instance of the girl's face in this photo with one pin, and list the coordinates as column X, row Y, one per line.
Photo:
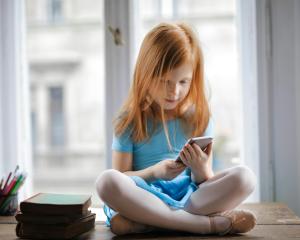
column 174, row 87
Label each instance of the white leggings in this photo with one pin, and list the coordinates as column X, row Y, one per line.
column 225, row 191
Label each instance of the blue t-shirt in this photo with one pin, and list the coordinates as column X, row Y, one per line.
column 155, row 149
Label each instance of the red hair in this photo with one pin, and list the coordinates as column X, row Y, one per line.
column 164, row 48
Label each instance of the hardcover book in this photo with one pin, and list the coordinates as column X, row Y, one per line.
column 56, row 204
column 48, row 219
column 42, row 231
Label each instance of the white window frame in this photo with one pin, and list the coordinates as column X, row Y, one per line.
column 118, row 61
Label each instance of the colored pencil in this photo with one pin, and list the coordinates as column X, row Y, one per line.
column 18, row 184
column 11, row 187
column 16, row 169
column 6, row 182
column 1, row 184
column 11, row 184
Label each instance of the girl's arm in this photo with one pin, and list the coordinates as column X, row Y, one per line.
column 166, row 169
column 206, row 174
column 122, row 161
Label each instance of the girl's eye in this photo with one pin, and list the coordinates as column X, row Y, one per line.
column 183, row 81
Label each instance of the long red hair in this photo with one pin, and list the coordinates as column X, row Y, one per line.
column 165, row 47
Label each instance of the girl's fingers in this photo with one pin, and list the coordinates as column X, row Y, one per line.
column 187, row 153
column 179, row 169
column 183, row 159
column 179, row 164
column 191, row 151
column 199, row 151
column 176, row 165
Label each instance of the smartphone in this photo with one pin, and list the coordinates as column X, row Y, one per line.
column 202, row 142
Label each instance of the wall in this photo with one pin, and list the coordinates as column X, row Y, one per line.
column 285, row 107
column 270, row 55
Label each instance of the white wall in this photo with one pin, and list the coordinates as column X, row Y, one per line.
column 270, row 38
column 284, row 85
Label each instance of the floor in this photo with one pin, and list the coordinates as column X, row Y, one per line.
column 275, row 221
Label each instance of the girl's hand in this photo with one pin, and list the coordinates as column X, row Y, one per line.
column 167, row 169
column 198, row 161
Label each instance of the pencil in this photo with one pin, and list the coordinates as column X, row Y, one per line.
column 1, row 184
column 9, row 175
column 19, row 184
column 16, row 169
column 12, row 183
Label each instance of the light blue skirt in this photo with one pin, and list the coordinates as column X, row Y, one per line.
column 174, row 193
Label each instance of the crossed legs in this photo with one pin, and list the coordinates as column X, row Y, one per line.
column 224, row 191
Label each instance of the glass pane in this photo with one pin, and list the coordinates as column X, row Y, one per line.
column 56, row 118
column 65, row 48
column 214, row 21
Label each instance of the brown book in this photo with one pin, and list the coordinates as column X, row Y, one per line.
column 49, row 219
column 43, row 231
column 56, row 204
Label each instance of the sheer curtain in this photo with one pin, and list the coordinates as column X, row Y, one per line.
column 15, row 139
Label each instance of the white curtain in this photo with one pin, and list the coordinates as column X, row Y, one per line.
column 15, row 139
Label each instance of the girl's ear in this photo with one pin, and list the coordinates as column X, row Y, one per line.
column 147, row 102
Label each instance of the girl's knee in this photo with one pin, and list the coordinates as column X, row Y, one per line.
column 107, row 184
column 244, row 179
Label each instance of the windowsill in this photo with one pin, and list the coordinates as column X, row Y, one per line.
column 100, row 216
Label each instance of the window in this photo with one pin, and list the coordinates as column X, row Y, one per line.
column 56, row 112
column 14, row 121
column 55, row 11
column 67, row 99
column 214, row 21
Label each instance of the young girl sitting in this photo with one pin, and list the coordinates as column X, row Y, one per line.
column 167, row 105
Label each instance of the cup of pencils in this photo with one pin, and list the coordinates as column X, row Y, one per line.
column 9, row 188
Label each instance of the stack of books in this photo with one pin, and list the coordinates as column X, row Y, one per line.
column 54, row 216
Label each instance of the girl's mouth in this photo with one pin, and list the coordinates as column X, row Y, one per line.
column 171, row 100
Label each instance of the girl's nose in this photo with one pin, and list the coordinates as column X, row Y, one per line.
column 173, row 89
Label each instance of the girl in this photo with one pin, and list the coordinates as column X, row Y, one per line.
column 166, row 105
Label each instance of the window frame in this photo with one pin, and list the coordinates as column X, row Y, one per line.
column 270, row 59
column 118, row 61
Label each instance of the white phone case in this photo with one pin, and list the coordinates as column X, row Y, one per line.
column 202, row 142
